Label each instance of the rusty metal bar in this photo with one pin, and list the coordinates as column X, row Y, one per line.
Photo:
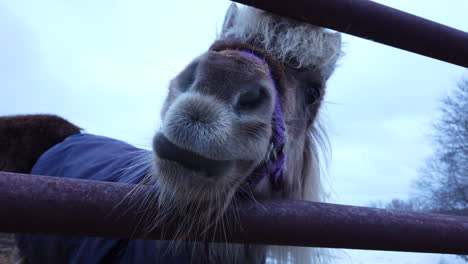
column 373, row 21
column 51, row 205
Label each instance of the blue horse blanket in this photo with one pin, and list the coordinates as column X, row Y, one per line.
column 86, row 156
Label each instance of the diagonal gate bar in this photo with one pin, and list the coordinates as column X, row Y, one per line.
column 374, row 21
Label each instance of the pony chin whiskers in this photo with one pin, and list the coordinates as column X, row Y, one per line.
column 194, row 215
column 195, row 218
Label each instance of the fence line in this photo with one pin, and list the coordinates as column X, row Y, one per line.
column 373, row 21
column 42, row 204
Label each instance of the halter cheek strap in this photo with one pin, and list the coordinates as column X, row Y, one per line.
column 274, row 166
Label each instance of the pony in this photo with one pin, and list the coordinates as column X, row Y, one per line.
column 241, row 121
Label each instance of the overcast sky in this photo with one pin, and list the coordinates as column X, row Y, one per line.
column 105, row 65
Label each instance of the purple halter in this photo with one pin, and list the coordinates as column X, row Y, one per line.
column 274, row 166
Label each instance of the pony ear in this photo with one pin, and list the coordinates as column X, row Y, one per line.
column 328, row 65
column 229, row 18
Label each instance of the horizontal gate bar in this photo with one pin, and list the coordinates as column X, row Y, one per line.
column 373, row 21
column 52, row 205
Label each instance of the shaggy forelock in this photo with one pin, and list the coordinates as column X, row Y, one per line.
column 298, row 44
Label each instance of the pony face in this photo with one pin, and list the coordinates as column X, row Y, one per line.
column 216, row 124
column 217, row 121
column 220, row 120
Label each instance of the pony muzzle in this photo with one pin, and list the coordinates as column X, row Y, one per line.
column 190, row 160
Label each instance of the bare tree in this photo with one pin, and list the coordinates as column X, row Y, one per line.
column 442, row 186
column 412, row 205
column 443, row 181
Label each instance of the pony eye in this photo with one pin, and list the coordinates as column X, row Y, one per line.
column 312, row 95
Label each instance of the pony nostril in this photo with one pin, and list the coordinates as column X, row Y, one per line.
column 251, row 98
column 198, row 118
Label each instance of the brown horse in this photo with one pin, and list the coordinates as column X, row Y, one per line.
column 239, row 119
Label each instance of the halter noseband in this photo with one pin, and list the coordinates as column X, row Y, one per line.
column 274, row 166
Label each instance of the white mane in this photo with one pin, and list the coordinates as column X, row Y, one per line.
column 291, row 42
